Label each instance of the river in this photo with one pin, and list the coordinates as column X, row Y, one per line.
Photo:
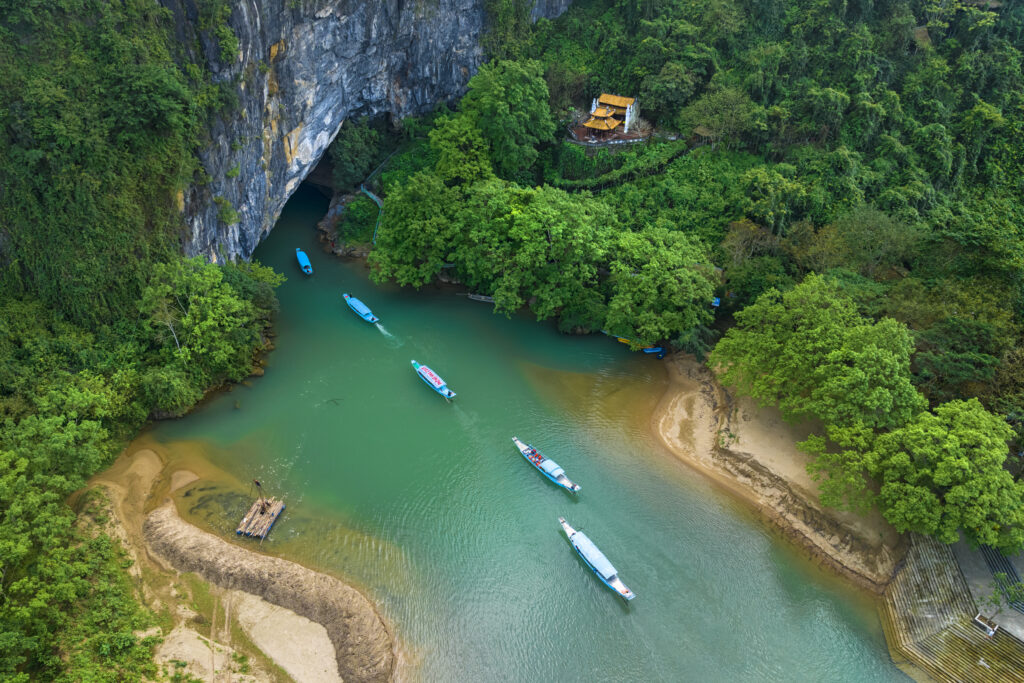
column 428, row 507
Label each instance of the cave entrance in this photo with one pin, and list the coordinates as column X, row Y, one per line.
column 360, row 147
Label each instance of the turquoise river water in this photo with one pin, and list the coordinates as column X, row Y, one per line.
column 430, row 510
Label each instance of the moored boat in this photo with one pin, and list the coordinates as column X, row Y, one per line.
column 548, row 467
column 304, row 263
column 433, row 380
column 658, row 351
column 361, row 309
column 596, row 560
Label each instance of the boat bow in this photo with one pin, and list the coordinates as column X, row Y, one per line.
column 596, row 560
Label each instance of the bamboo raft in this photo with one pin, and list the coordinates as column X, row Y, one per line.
column 260, row 517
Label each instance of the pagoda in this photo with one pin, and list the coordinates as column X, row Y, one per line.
column 609, row 112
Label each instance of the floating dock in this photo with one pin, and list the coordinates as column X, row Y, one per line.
column 260, row 517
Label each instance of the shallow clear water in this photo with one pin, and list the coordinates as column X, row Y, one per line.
column 429, row 508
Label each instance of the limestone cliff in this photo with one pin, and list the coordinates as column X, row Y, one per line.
column 302, row 68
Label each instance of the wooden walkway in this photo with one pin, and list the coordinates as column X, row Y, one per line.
column 927, row 615
column 260, row 517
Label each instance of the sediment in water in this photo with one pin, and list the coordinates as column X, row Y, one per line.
column 362, row 643
column 753, row 453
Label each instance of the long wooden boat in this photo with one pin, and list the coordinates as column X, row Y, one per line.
column 548, row 467
column 304, row 263
column 433, row 380
column 361, row 309
column 596, row 560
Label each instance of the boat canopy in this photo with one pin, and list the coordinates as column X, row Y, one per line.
column 359, row 306
column 552, row 468
column 592, row 555
column 430, row 376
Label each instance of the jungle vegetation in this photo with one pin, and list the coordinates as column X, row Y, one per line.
column 845, row 177
column 102, row 322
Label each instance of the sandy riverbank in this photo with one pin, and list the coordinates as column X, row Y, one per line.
column 307, row 626
column 753, row 453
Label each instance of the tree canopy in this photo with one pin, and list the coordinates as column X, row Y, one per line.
column 812, row 353
column 944, row 471
column 508, row 102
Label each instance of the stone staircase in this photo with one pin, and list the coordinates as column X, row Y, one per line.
column 998, row 564
column 928, row 615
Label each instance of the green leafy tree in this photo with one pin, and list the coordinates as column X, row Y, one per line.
column 841, row 465
column 661, row 286
column 199, row 321
column 507, row 27
column 723, row 115
column 944, row 471
column 666, row 92
column 865, row 240
column 462, row 153
column 773, row 200
column 955, row 352
column 539, row 246
column 353, row 153
column 812, row 353
column 508, row 102
column 418, row 233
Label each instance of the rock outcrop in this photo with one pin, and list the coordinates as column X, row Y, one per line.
column 301, row 69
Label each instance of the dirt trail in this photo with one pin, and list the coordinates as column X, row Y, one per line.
column 752, row 452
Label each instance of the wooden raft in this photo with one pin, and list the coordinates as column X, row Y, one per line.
column 260, row 517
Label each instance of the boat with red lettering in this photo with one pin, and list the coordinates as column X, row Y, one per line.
column 548, row 467
column 433, row 380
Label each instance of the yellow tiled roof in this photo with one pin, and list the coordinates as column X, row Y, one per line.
column 602, row 124
column 615, row 100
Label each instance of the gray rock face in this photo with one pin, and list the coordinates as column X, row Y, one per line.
column 303, row 67
column 549, row 9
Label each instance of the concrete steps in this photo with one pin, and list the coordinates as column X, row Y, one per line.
column 927, row 616
column 998, row 564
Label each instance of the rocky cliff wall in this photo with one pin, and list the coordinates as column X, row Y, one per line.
column 302, row 68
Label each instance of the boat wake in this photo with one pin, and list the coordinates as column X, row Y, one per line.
column 466, row 419
column 395, row 341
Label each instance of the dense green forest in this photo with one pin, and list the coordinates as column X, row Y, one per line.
column 846, row 177
column 102, row 322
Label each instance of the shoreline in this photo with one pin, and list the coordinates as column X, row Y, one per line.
column 751, row 452
column 308, row 625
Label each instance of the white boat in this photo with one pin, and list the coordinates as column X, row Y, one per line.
column 596, row 560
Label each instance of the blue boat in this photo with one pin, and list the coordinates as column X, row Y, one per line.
column 304, row 263
column 659, row 350
column 360, row 308
column 433, row 380
column 548, row 467
column 596, row 560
